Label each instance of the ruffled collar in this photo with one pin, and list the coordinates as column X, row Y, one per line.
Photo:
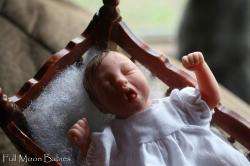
column 145, row 126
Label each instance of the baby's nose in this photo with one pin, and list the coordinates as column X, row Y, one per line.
column 121, row 83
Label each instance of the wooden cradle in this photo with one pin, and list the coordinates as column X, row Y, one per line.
column 106, row 30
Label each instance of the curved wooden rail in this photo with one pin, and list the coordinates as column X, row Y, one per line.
column 235, row 125
column 55, row 64
column 27, row 146
column 10, row 116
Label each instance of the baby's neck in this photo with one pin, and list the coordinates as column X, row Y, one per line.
column 145, row 107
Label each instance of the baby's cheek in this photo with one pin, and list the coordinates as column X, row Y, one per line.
column 143, row 87
column 147, row 90
column 139, row 81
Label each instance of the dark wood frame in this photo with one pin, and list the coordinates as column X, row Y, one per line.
column 106, row 27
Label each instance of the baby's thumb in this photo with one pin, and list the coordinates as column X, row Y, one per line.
column 184, row 61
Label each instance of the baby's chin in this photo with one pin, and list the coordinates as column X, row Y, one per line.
column 137, row 105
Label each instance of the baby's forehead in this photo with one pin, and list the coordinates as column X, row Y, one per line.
column 111, row 63
column 116, row 56
column 114, row 60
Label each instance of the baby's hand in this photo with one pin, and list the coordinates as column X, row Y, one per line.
column 79, row 135
column 193, row 61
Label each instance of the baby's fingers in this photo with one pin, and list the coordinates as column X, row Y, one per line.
column 83, row 123
column 79, row 132
column 185, row 62
column 193, row 60
column 200, row 57
column 75, row 136
column 195, row 57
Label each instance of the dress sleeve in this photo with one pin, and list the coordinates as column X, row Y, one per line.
column 192, row 108
column 94, row 151
column 100, row 148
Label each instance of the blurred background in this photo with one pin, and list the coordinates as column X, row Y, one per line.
column 32, row 30
column 146, row 17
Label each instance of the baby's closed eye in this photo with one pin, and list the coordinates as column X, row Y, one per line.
column 127, row 69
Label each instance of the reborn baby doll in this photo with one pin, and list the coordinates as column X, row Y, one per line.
column 170, row 131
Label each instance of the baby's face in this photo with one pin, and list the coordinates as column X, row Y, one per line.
column 120, row 86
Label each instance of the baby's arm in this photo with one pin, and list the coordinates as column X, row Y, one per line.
column 207, row 83
column 79, row 135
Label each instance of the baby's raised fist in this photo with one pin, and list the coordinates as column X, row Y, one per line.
column 193, row 61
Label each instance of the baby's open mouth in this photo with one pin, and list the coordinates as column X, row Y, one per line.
column 130, row 95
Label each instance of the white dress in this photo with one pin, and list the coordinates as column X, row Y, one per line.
column 174, row 131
